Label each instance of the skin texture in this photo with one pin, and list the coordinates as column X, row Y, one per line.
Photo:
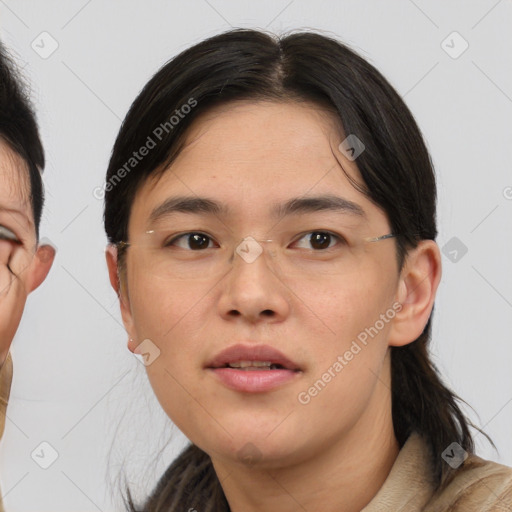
column 29, row 263
column 340, row 446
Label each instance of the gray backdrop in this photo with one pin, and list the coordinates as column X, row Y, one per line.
column 76, row 387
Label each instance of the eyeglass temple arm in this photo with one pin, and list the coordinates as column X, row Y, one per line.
column 378, row 238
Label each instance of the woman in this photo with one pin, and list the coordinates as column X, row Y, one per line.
column 270, row 207
column 24, row 263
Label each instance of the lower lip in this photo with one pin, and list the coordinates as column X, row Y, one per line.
column 253, row 381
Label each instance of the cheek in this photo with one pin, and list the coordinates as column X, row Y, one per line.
column 348, row 364
column 345, row 308
column 177, row 324
column 162, row 308
column 355, row 318
column 174, row 316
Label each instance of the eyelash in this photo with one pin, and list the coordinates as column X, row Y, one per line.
column 341, row 239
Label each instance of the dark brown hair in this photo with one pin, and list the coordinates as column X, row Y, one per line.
column 395, row 167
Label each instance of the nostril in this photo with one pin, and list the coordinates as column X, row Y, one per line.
column 267, row 312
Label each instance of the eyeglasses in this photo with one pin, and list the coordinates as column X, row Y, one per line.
column 195, row 255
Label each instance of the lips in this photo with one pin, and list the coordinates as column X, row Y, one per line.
column 253, row 369
column 249, row 357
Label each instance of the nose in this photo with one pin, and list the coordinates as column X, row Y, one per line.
column 251, row 289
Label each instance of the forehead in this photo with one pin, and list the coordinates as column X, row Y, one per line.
column 271, row 135
column 253, row 154
column 14, row 182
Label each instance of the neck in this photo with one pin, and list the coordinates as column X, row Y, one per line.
column 345, row 476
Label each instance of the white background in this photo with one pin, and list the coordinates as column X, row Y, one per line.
column 76, row 386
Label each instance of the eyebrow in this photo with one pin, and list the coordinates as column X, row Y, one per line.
column 318, row 203
column 186, row 204
column 295, row 206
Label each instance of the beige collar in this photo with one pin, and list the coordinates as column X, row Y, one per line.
column 409, row 485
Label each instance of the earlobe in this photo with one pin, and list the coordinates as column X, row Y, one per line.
column 416, row 293
column 132, row 345
column 42, row 263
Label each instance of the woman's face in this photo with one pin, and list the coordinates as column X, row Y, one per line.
column 308, row 295
column 23, row 265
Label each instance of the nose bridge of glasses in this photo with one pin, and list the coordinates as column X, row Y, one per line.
column 250, row 249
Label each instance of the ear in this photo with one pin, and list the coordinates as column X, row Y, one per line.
column 416, row 293
column 41, row 265
column 122, row 293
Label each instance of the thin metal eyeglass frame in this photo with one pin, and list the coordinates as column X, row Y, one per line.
column 368, row 239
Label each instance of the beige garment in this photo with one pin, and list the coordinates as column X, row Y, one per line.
column 5, row 388
column 477, row 485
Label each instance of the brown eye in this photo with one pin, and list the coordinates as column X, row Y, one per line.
column 319, row 240
column 193, row 241
column 198, row 241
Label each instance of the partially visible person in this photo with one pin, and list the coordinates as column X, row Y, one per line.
column 275, row 260
column 24, row 263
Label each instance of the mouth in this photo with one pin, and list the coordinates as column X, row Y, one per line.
column 253, row 368
column 252, row 358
